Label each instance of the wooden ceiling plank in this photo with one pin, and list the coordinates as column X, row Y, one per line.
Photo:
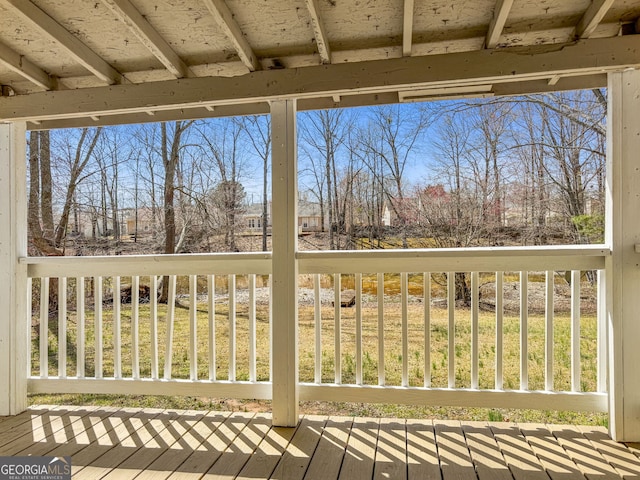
column 23, row 67
column 500, row 14
column 224, row 19
column 319, row 31
column 592, row 18
column 149, row 36
column 586, row 57
column 74, row 47
column 407, row 28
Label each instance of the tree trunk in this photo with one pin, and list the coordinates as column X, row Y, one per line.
column 463, row 291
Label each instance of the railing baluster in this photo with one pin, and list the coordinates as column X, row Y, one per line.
column 548, row 332
column 575, row 331
column 211, row 297
column 451, row 308
column 426, row 294
column 381, row 379
column 153, row 326
column 337, row 328
column 62, row 327
column 193, row 327
column 171, row 313
column 80, row 319
column 252, row 327
column 29, row 326
column 270, row 328
column 404, row 287
column 602, row 332
column 117, row 330
column 358, row 279
column 475, row 311
column 97, row 295
column 317, row 312
column 44, row 327
column 135, row 314
column 499, row 329
column 232, row 328
column 524, row 312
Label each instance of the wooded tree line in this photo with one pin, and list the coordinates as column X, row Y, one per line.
column 523, row 170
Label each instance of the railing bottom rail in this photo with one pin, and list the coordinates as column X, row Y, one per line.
column 456, row 397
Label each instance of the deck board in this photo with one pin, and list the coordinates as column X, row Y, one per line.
column 551, row 454
column 422, row 454
column 327, row 459
column 268, row 454
column 360, row 455
column 626, row 464
column 580, row 450
column 485, row 453
column 238, row 453
column 155, row 444
column 139, row 436
column 38, row 430
column 455, row 458
column 295, row 460
column 181, row 450
column 208, row 453
column 391, row 452
column 635, row 448
column 161, row 442
column 522, row 461
column 21, row 426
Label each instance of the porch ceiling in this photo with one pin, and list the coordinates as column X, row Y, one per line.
column 277, row 48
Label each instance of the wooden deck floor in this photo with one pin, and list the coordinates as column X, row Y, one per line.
column 159, row 444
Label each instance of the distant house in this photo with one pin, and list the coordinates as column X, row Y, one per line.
column 140, row 224
column 252, row 218
column 309, row 217
column 398, row 211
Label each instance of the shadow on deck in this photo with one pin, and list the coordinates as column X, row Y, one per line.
column 127, row 443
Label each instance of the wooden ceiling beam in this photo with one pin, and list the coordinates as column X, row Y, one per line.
column 346, row 101
column 224, row 19
column 482, row 67
column 73, row 46
column 319, row 32
column 407, row 28
column 23, row 67
column 592, row 18
column 499, row 19
column 148, row 35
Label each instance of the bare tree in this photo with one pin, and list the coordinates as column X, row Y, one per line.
column 47, row 239
column 569, row 152
column 258, row 129
column 171, row 143
column 491, row 121
column 393, row 136
column 324, row 132
column 221, row 140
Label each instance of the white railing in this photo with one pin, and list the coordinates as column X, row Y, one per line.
column 140, row 325
column 404, row 340
column 394, row 331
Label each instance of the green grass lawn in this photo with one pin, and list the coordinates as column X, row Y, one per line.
column 392, row 364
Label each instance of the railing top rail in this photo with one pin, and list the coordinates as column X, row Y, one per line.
column 141, row 265
column 483, row 259
column 576, row 257
column 542, row 251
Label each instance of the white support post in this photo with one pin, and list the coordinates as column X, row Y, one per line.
column 622, row 234
column 284, row 341
column 14, row 322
